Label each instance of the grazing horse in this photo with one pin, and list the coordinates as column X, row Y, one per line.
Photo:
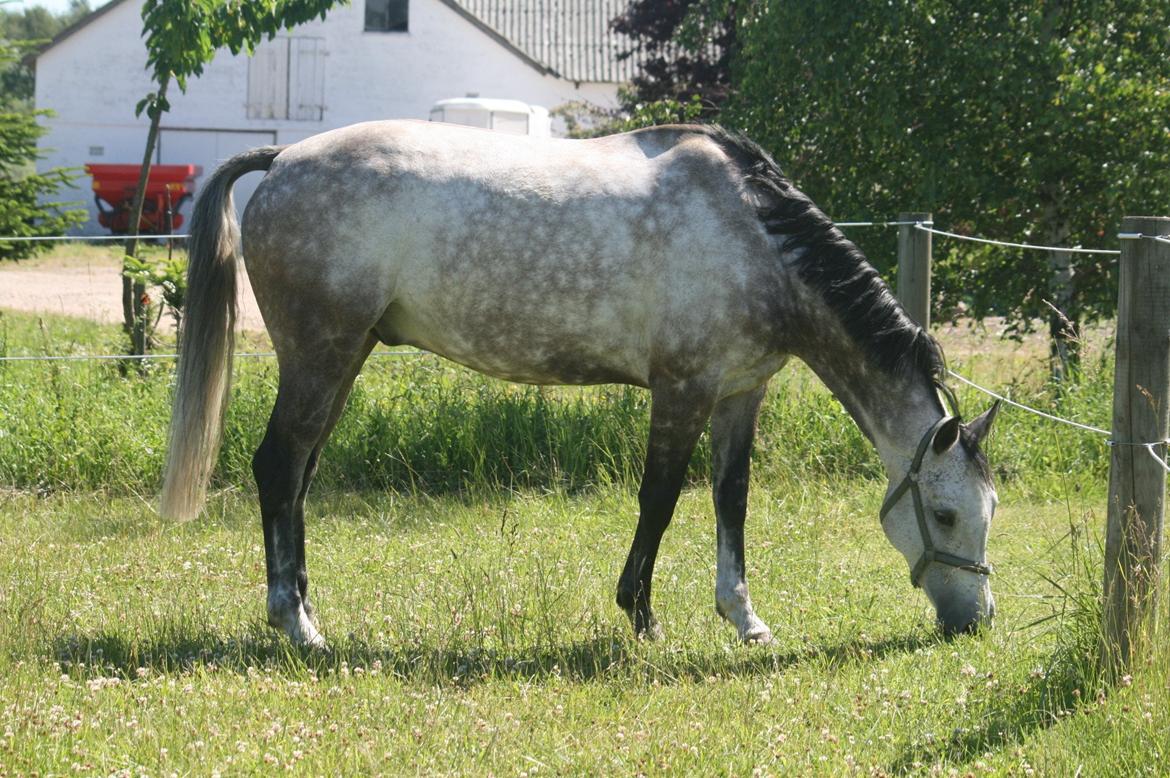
column 678, row 258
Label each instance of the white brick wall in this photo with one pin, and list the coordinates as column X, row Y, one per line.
column 93, row 79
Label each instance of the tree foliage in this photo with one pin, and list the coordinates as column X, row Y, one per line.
column 28, row 207
column 25, row 29
column 684, row 48
column 183, row 35
column 1039, row 120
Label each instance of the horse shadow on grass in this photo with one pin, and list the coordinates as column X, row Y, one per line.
column 1041, row 703
column 601, row 656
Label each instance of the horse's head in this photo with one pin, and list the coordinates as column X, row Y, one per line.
column 939, row 517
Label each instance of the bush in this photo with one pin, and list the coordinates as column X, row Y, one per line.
column 26, row 209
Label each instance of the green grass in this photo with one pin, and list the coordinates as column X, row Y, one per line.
column 464, row 543
column 421, row 424
column 480, row 636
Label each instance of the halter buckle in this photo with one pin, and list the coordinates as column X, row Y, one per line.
column 929, row 552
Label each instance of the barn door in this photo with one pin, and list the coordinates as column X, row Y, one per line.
column 209, row 148
column 286, row 80
column 268, row 80
column 306, row 79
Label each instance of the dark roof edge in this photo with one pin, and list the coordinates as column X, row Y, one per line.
column 488, row 30
column 478, row 23
column 77, row 25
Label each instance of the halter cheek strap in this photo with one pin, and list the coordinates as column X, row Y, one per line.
column 929, row 552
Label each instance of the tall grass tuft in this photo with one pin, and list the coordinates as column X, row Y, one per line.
column 420, row 423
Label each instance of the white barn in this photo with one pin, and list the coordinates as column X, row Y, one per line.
column 372, row 59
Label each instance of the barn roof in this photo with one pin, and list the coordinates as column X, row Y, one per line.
column 570, row 39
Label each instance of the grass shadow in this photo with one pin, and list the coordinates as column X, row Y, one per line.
column 1037, row 706
column 179, row 649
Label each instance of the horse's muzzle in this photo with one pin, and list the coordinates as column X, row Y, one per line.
column 954, row 624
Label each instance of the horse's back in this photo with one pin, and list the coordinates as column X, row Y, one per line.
column 541, row 260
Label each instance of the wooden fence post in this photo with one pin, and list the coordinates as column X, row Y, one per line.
column 914, row 267
column 1137, row 483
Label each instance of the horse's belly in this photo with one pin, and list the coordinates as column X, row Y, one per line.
column 518, row 348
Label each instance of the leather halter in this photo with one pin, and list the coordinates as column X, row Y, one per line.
column 929, row 552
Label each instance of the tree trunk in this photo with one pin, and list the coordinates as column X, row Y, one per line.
column 1064, row 331
column 1063, row 319
column 134, row 310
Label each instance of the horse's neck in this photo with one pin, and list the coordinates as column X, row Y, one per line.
column 893, row 412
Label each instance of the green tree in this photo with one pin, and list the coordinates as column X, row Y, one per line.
column 1039, row 120
column 181, row 37
column 684, row 49
column 25, row 207
column 30, row 27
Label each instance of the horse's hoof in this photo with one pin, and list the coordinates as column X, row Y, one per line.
column 307, row 635
column 316, row 642
column 756, row 634
column 650, row 629
column 641, row 618
column 300, row 628
column 653, row 632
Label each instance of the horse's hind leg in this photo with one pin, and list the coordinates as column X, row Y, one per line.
column 312, row 392
column 677, row 418
column 311, row 470
column 733, row 428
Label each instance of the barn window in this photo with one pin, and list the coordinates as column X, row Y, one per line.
column 286, row 80
column 386, row 15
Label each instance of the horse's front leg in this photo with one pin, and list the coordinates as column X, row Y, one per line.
column 733, row 428
column 677, row 418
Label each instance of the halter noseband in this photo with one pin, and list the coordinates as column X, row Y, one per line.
column 929, row 552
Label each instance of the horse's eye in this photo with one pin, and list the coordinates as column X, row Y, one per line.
column 945, row 518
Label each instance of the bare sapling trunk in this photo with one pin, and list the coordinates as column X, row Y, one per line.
column 1064, row 331
column 134, row 307
column 1063, row 318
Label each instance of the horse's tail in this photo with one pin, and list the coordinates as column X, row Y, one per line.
column 208, row 338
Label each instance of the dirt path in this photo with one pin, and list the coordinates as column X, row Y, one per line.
column 88, row 286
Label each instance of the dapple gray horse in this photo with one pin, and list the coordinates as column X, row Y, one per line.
column 678, row 258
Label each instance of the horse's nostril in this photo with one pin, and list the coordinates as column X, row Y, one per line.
column 954, row 627
column 955, row 630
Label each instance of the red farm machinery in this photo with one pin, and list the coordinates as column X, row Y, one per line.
column 167, row 188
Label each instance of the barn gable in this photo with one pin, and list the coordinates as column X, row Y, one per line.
column 350, row 67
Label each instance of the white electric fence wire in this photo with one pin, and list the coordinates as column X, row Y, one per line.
column 924, row 226
column 1009, row 244
column 1140, row 236
column 1023, row 407
column 55, row 238
column 244, row 355
column 1149, row 447
column 881, row 224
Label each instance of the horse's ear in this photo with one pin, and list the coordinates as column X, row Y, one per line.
column 981, row 425
column 947, row 435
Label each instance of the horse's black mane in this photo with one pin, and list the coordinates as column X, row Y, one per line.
column 829, row 263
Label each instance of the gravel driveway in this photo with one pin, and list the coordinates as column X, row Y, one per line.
column 89, row 287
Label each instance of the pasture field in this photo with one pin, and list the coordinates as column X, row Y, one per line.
column 465, row 540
